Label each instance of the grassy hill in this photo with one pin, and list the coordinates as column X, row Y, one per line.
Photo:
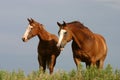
column 81, row 74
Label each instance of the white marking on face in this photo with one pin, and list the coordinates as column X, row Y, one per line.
column 27, row 32
column 62, row 31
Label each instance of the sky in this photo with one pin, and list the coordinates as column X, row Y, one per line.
column 101, row 16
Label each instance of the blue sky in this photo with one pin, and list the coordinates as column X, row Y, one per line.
column 101, row 16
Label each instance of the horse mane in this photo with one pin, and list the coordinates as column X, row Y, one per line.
column 81, row 26
column 77, row 23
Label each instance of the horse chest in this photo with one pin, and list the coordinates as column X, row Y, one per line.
column 82, row 55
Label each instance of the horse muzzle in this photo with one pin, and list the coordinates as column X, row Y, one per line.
column 24, row 39
column 60, row 47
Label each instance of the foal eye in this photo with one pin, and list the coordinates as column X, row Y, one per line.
column 31, row 27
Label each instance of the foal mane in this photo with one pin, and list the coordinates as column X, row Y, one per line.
column 41, row 26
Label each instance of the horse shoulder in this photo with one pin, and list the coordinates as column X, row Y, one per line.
column 101, row 45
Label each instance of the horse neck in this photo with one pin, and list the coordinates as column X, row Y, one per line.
column 43, row 34
column 82, row 39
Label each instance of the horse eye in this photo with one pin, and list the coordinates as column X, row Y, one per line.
column 65, row 33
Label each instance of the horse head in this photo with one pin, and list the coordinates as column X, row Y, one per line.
column 31, row 31
column 64, row 35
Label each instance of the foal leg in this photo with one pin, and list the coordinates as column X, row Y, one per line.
column 42, row 63
column 52, row 63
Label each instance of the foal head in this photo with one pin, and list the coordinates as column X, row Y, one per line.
column 31, row 31
column 65, row 35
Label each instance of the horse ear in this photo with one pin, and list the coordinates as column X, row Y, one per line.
column 64, row 23
column 59, row 24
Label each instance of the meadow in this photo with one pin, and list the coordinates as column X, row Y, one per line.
column 92, row 73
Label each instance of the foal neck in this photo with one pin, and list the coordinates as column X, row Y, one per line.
column 43, row 34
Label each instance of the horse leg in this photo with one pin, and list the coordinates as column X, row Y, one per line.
column 76, row 51
column 87, row 64
column 42, row 63
column 98, row 63
column 93, row 62
column 101, row 64
column 52, row 63
column 77, row 62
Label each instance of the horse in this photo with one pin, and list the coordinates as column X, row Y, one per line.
column 87, row 46
column 47, row 49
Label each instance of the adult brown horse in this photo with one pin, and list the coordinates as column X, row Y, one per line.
column 47, row 49
column 87, row 46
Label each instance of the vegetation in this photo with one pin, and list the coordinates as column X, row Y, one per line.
column 81, row 74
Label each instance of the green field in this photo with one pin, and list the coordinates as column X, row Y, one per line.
column 81, row 74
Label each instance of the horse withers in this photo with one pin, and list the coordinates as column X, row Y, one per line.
column 87, row 46
column 47, row 49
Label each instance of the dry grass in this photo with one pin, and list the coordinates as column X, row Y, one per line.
column 82, row 74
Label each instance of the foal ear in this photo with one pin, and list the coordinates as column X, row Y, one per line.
column 32, row 20
column 28, row 20
column 59, row 24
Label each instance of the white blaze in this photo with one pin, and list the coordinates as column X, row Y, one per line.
column 62, row 31
column 27, row 32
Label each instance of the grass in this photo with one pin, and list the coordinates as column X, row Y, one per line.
column 81, row 74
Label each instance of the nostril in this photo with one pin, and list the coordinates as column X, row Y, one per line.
column 23, row 39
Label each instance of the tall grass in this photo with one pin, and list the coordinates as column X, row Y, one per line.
column 91, row 73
